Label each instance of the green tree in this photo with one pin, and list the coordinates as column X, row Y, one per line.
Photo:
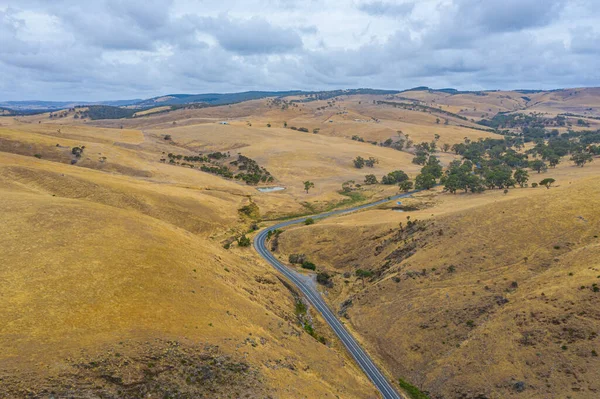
column 394, row 177
column 325, row 279
column 499, row 177
column 581, row 158
column 243, row 241
column 553, row 160
column 420, row 158
column 453, row 183
column 77, row 151
column 359, row 162
column 475, row 184
column 521, row 176
column 433, row 146
column 308, row 265
column 433, row 167
column 424, row 181
column 370, row 179
column 309, row 221
column 538, row 165
column 459, row 177
column 547, row 182
column 362, row 274
column 406, row 185
column 371, row 162
column 308, row 185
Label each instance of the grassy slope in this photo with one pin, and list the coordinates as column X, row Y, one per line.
column 450, row 332
column 98, row 263
column 129, row 199
column 292, row 156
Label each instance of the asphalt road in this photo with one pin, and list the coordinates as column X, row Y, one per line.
column 315, row 299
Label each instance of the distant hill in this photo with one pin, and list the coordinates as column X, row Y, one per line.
column 183, row 99
column 448, row 90
column 213, row 98
column 460, row 99
column 231, row 98
column 45, row 106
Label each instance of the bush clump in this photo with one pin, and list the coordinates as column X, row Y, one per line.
column 251, row 210
column 297, row 258
column 412, row 391
column 243, row 241
column 309, row 265
column 325, row 279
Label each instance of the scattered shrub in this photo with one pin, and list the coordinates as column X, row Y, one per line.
column 309, row 265
column 251, row 210
column 325, row 279
column 412, row 391
column 297, row 258
column 370, row 179
column 243, row 241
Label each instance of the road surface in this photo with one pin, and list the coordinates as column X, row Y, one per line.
column 315, row 299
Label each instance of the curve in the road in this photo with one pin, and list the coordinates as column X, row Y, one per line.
column 313, row 296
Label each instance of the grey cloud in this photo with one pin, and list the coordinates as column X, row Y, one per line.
column 465, row 22
column 254, row 36
column 585, row 40
column 308, row 30
column 509, row 15
column 110, row 49
column 386, row 8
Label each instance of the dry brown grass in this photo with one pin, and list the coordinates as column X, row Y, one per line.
column 152, row 111
column 93, row 260
column 450, row 332
column 123, row 253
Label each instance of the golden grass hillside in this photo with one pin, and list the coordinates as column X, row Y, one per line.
column 478, row 105
column 112, row 286
column 495, row 300
column 122, row 277
column 291, row 156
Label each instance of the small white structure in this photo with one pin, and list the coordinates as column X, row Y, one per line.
column 223, row 123
column 270, row 189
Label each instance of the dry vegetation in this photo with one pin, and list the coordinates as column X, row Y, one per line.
column 510, row 280
column 115, row 282
column 124, row 275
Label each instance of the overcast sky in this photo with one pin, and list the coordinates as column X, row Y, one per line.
column 118, row 49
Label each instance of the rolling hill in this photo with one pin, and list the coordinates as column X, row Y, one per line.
column 462, row 307
column 125, row 270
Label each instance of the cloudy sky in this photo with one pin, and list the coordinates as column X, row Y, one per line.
column 118, row 49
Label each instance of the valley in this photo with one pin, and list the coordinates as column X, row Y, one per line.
column 129, row 268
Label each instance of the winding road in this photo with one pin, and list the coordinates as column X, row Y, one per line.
column 315, row 299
